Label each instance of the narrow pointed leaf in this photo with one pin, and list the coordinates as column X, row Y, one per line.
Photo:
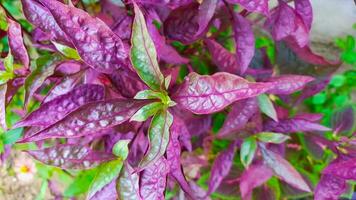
column 294, row 125
column 247, row 152
column 96, row 44
column 59, row 107
column 146, row 111
column 71, row 156
column 127, row 185
column 267, row 107
column 90, row 119
column 276, row 138
column 305, row 10
column 3, row 89
column 245, row 42
column 143, row 53
column 41, row 17
column 288, row 84
column 203, row 94
column 16, row 44
column 260, row 6
column 153, row 180
column 205, row 14
column 283, row 169
column 237, row 118
column 221, row 168
column 159, row 138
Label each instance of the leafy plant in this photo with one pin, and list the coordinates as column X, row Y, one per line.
column 152, row 100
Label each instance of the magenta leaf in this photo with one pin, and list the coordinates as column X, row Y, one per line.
column 96, row 44
column 3, row 89
column 16, row 44
column 260, row 6
column 153, row 180
column 329, row 187
column 128, row 83
column 283, row 169
column 107, row 192
column 59, row 107
column 90, row 119
column 253, row 177
column 221, row 167
column 222, row 58
column 282, row 21
column 40, row 16
column 344, row 169
column 71, row 156
column 237, row 118
column 305, row 11
column 301, row 34
column 203, row 94
column 170, row 3
column 294, row 125
column 127, row 185
column 288, row 84
column 245, row 42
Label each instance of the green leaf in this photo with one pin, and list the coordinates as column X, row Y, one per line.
column 148, row 94
column 67, row 51
column 271, row 137
column 121, row 149
column 3, row 20
column 106, row 173
column 5, row 77
column 146, row 111
column 9, row 63
column 143, row 53
column 127, row 186
column 81, row 183
column 337, row 80
column 11, row 136
column 159, row 137
column 42, row 193
column 247, row 152
column 267, row 107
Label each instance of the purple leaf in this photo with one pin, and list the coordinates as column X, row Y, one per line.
column 59, row 107
column 127, row 82
column 170, row 3
column 174, row 154
column 294, row 125
column 43, row 19
column 305, row 11
column 282, row 21
column 205, row 14
column 329, row 187
column 153, row 180
column 107, row 192
column 221, row 167
column 165, row 51
column 90, row 119
column 313, row 117
column 245, row 42
column 124, row 27
column 260, row 6
column 344, row 169
column 3, row 89
column 70, row 156
column 343, row 120
column 253, row 177
column 288, row 84
column 283, row 169
column 237, row 118
column 96, row 44
column 204, row 94
column 16, row 44
column 128, row 184
column 301, row 34
column 222, row 58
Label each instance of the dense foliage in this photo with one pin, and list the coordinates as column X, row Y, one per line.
column 148, row 99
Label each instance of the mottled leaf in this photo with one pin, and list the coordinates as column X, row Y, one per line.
column 329, row 187
column 343, row 169
column 107, row 192
column 237, row 118
column 59, row 107
column 245, row 42
column 294, row 125
column 90, row 119
column 203, row 94
column 147, row 111
column 159, row 138
column 96, row 44
column 143, row 53
column 16, row 44
column 247, row 151
column 3, row 89
column 283, row 169
column 153, row 180
column 170, row 3
column 288, row 84
column 276, row 138
column 127, row 185
column 253, row 177
column 305, row 11
column 221, row 168
column 127, row 82
column 71, row 156
column 266, row 106
column 260, row 6
column 40, row 16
